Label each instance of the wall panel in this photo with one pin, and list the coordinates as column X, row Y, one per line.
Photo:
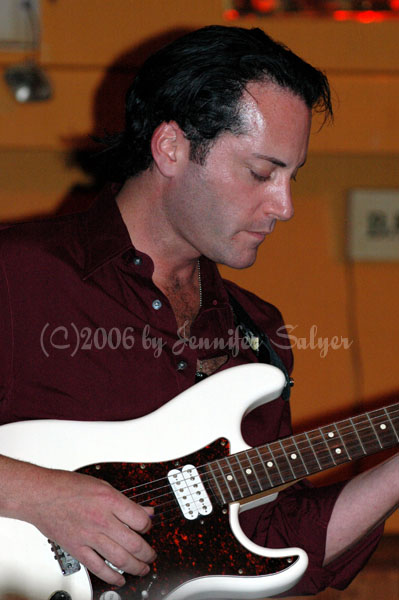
column 90, row 50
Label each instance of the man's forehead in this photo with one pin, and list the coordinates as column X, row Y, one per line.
column 261, row 99
column 268, row 110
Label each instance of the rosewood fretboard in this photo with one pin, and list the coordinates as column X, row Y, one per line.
column 273, row 465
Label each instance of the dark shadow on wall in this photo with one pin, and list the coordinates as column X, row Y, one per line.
column 108, row 113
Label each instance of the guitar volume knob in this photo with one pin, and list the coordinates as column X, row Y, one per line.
column 110, row 595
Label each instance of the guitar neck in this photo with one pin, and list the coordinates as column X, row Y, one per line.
column 282, row 462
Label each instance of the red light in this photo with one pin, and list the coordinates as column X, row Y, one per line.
column 342, row 15
column 365, row 16
column 263, row 6
column 231, row 14
column 369, row 16
column 394, row 4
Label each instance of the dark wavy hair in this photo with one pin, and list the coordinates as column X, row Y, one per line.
column 197, row 81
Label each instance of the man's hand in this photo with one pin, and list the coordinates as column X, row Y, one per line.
column 85, row 516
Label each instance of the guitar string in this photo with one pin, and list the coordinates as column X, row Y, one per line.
column 242, row 482
column 169, row 508
column 275, row 446
column 175, row 508
column 172, row 512
column 279, row 453
column 284, row 475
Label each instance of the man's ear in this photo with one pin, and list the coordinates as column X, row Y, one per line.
column 169, row 147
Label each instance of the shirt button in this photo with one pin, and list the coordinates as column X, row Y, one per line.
column 128, row 256
column 156, row 304
column 181, row 365
column 137, row 261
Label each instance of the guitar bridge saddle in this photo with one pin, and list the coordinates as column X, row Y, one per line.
column 190, row 492
column 67, row 563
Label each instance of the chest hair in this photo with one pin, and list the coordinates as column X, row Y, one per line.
column 185, row 305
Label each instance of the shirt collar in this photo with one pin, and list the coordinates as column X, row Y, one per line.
column 105, row 237
column 105, row 234
column 214, row 293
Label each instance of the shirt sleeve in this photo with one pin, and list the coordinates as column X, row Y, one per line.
column 300, row 515
column 299, row 518
column 5, row 333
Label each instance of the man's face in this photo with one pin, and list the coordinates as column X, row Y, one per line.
column 225, row 208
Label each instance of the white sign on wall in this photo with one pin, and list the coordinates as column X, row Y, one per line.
column 373, row 225
column 19, row 24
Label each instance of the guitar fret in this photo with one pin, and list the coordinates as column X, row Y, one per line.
column 210, row 469
column 358, row 436
column 366, row 434
column 384, row 425
column 245, row 478
column 325, row 457
column 299, row 469
column 264, row 468
column 315, row 455
column 333, row 445
column 393, row 426
column 253, row 470
column 276, row 464
column 250, row 466
column 271, row 467
column 300, row 455
column 232, row 478
column 340, row 437
column 328, row 445
column 374, row 429
column 288, row 461
column 225, row 480
column 342, row 441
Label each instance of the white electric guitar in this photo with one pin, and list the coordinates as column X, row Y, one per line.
column 197, row 495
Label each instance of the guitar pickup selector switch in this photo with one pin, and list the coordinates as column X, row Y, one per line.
column 190, row 492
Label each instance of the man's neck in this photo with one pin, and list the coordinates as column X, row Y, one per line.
column 176, row 273
column 140, row 204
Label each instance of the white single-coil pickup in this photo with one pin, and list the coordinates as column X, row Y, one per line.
column 190, row 492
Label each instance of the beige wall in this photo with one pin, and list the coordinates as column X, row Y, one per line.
column 302, row 267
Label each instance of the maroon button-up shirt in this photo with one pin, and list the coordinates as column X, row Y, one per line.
column 86, row 335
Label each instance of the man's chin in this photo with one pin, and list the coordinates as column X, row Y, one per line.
column 240, row 262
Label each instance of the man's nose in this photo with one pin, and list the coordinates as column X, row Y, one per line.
column 282, row 207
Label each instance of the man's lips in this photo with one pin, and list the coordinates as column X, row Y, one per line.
column 259, row 235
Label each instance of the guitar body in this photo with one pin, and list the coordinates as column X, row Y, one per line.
column 207, row 557
column 186, row 550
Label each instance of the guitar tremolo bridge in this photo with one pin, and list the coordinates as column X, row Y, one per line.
column 190, row 492
column 68, row 564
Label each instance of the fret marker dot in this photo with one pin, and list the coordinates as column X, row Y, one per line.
column 230, row 477
column 269, row 464
column 330, row 434
column 248, row 471
column 383, row 426
column 338, row 450
column 293, row 456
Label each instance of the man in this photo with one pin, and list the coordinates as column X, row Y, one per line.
column 217, row 126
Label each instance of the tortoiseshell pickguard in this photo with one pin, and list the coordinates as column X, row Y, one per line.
column 185, row 549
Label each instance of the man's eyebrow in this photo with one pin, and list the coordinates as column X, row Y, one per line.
column 271, row 159
column 274, row 160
